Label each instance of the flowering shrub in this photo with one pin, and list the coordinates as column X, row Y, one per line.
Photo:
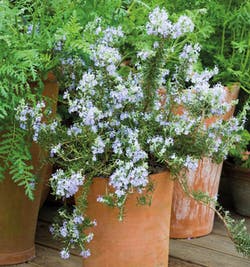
column 124, row 128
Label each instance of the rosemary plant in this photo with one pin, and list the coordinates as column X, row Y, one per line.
column 124, row 128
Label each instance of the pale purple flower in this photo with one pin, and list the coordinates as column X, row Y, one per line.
column 182, row 26
column 51, row 229
column 74, row 130
column 78, row 219
column 55, row 149
column 30, row 29
column 100, row 199
column 98, row 146
column 190, row 163
column 143, row 55
column 64, row 254
column 64, row 230
column 85, row 253
column 106, row 56
column 159, row 24
column 89, row 237
column 112, row 34
column 66, row 186
column 53, row 126
column 88, row 82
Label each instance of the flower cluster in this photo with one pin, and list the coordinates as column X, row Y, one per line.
column 70, row 230
column 160, row 25
column 31, row 117
column 66, row 185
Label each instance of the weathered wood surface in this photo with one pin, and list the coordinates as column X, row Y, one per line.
column 205, row 256
column 213, row 250
column 49, row 258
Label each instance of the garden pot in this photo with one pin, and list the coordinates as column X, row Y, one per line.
column 232, row 94
column 188, row 217
column 18, row 214
column 18, row 218
column 225, row 195
column 51, row 89
column 239, row 183
column 141, row 239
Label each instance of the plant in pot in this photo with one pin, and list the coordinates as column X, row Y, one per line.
column 27, row 56
column 236, row 172
column 189, row 219
column 224, row 38
column 132, row 132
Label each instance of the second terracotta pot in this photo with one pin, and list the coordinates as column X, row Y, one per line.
column 50, row 91
column 189, row 218
column 141, row 239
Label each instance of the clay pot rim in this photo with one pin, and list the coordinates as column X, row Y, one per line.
column 160, row 171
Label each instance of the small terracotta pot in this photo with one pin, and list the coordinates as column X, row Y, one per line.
column 18, row 214
column 239, row 183
column 188, row 218
column 141, row 239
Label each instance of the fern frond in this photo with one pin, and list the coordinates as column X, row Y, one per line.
column 16, row 158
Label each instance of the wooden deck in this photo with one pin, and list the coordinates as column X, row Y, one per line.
column 214, row 250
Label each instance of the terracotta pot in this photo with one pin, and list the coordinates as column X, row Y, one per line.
column 239, row 182
column 141, row 239
column 18, row 214
column 232, row 94
column 51, row 89
column 18, row 217
column 188, row 218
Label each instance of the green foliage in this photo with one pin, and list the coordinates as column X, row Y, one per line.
column 226, row 43
column 239, row 234
column 27, row 41
column 15, row 159
column 240, row 152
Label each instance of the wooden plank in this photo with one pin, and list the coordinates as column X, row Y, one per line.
column 174, row 262
column 27, row 264
column 215, row 242
column 47, row 257
column 217, row 247
column 204, row 256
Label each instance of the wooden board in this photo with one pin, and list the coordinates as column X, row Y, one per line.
column 174, row 262
column 205, row 256
column 215, row 242
column 213, row 250
column 48, row 257
column 28, row 264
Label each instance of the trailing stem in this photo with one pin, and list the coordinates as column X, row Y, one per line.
column 236, row 230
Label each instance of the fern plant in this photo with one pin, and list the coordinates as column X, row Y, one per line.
column 28, row 51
